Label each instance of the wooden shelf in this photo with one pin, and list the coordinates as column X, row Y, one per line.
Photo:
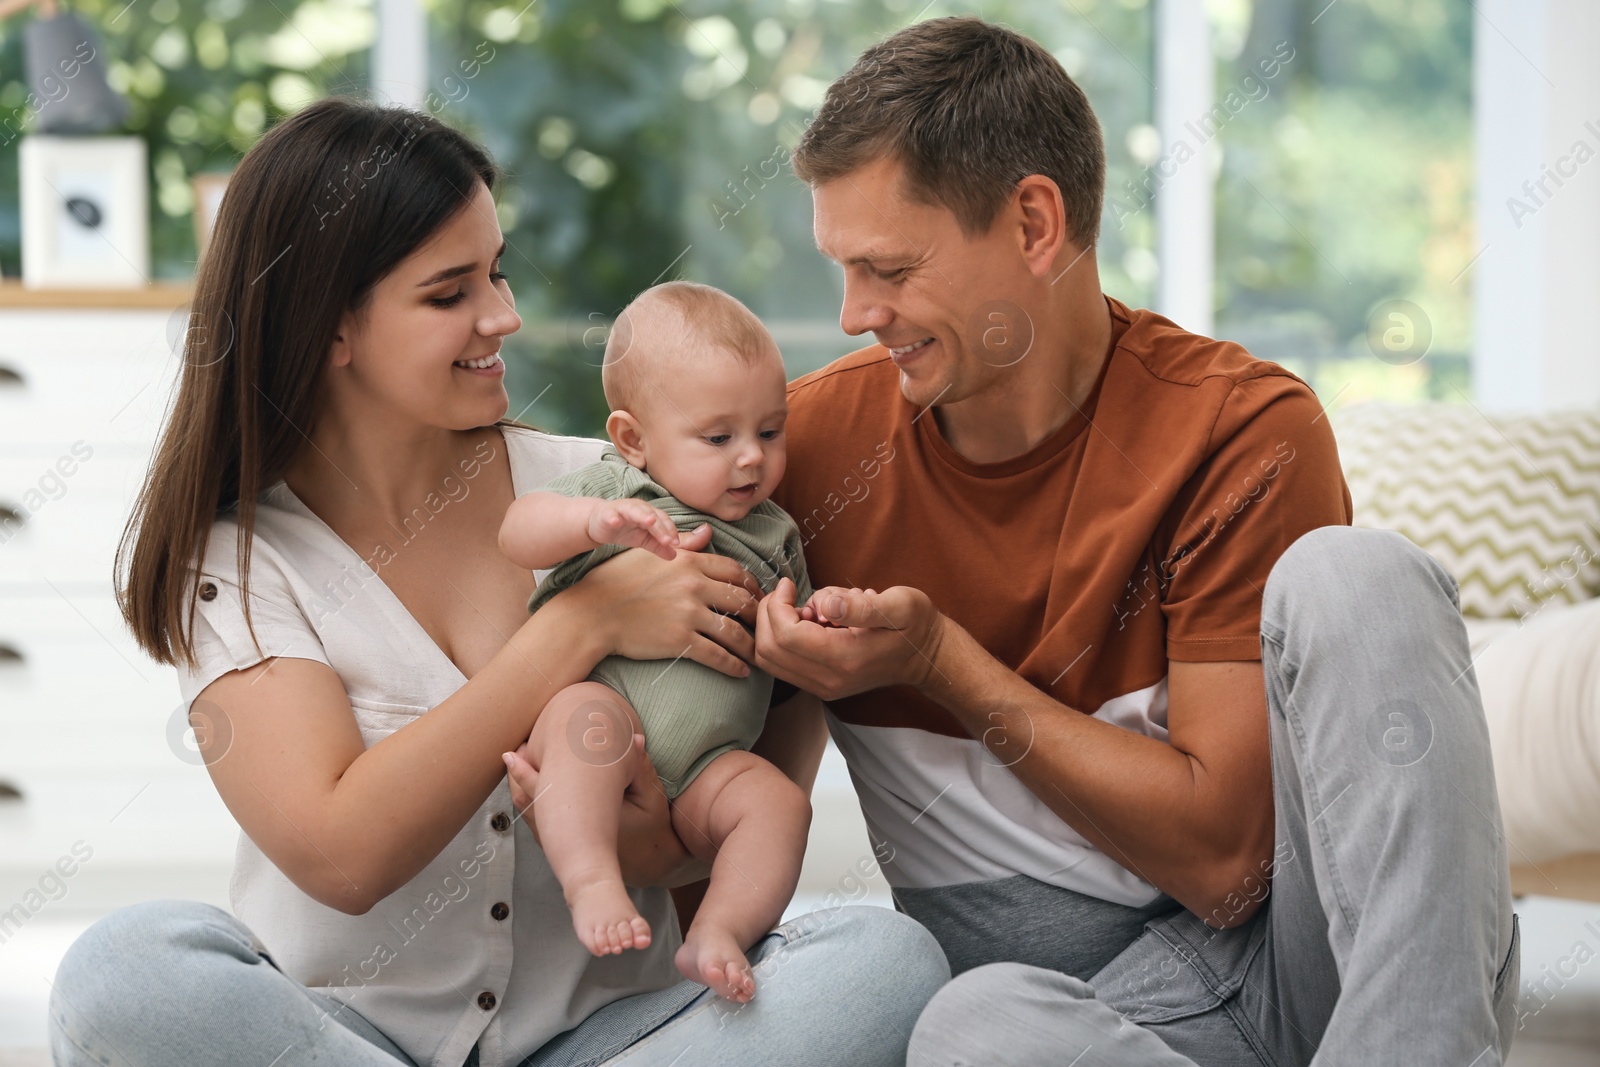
column 158, row 295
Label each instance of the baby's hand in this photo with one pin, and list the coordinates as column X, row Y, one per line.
column 634, row 524
column 814, row 610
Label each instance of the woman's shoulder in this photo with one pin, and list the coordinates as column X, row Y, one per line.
column 541, row 456
column 282, row 541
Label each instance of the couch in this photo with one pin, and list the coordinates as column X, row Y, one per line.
column 1510, row 506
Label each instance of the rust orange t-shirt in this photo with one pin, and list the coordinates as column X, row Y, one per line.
column 1140, row 531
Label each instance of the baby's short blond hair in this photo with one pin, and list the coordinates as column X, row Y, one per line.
column 666, row 328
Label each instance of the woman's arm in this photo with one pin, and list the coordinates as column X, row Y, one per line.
column 541, row 529
column 349, row 824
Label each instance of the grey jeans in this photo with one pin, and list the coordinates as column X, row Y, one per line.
column 1388, row 936
column 184, row 984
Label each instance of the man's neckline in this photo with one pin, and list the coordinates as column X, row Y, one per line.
column 1059, row 439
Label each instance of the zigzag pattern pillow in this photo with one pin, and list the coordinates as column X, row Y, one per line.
column 1509, row 505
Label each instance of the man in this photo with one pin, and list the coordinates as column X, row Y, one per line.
column 1112, row 660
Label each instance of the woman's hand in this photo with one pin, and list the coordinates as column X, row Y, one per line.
column 647, row 847
column 690, row 606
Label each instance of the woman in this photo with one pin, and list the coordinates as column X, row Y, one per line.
column 338, row 461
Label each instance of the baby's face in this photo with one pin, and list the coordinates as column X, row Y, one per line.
column 713, row 438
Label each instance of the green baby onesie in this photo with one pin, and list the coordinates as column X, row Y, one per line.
column 691, row 713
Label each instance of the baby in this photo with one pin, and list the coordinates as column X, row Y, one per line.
column 697, row 390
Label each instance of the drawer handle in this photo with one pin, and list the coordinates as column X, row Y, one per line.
column 10, row 378
column 9, row 792
column 11, row 656
column 11, row 520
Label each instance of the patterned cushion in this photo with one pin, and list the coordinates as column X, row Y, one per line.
column 1509, row 505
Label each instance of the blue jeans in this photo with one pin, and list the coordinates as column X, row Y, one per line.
column 184, row 984
column 1388, row 936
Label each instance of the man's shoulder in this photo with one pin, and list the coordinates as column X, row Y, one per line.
column 1172, row 354
column 1202, row 387
column 843, row 377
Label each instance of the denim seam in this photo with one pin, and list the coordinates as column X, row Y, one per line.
column 1228, row 999
column 1309, row 783
column 61, row 1027
column 1273, row 633
column 636, row 1038
column 1511, row 955
column 1247, row 1031
column 1181, row 950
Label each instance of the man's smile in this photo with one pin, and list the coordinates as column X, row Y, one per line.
column 899, row 353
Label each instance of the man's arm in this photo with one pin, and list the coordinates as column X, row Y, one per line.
column 542, row 529
column 1192, row 815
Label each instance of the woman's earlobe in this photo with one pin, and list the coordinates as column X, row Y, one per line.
column 338, row 354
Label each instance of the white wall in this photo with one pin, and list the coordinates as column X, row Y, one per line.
column 400, row 53
column 1185, row 203
column 1536, row 282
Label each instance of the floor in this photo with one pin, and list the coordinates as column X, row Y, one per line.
column 1561, row 939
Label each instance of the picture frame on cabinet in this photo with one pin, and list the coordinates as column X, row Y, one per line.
column 85, row 212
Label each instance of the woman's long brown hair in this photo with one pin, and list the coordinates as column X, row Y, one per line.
column 326, row 204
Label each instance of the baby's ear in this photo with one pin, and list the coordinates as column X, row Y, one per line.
column 627, row 436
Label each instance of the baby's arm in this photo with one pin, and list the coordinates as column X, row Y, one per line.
column 542, row 529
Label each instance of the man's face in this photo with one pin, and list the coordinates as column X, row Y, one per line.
column 941, row 302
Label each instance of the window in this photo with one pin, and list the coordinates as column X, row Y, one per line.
column 203, row 80
column 1344, row 217
column 646, row 139
column 650, row 139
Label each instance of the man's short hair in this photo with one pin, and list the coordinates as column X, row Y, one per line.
column 969, row 109
column 665, row 327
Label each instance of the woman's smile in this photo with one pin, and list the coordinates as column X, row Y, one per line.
column 491, row 366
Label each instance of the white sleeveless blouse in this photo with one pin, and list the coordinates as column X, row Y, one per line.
column 478, row 947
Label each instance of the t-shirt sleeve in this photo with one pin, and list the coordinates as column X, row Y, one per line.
column 598, row 479
column 222, row 640
column 1274, row 476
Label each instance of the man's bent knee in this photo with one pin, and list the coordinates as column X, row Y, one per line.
column 1341, row 567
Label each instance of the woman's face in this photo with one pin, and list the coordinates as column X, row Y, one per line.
column 443, row 306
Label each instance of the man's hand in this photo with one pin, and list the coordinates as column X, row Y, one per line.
column 634, row 524
column 867, row 639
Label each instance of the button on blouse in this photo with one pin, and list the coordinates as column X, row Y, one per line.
column 405, row 964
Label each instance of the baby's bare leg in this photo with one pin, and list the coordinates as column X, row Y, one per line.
column 751, row 822
column 583, row 747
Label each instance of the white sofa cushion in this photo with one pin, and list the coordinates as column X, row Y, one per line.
column 1509, row 505
column 1540, row 683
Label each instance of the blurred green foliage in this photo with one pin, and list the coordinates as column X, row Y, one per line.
column 204, row 78
column 1349, row 184
column 650, row 138
column 646, row 139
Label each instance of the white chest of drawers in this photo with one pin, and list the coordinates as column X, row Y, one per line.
column 88, row 734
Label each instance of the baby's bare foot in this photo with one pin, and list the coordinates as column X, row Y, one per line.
column 713, row 958
column 605, row 919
